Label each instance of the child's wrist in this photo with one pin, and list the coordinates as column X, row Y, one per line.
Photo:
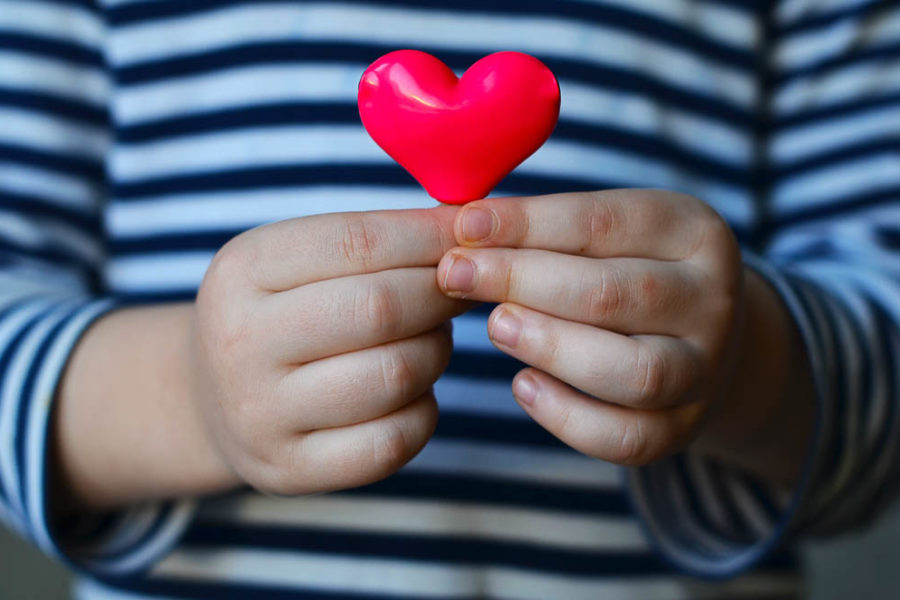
column 126, row 428
column 212, row 472
column 765, row 416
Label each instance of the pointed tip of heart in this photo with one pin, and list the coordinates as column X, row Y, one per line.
column 457, row 200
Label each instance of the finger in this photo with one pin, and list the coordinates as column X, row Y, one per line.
column 291, row 253
column 363, row 385
column 649, row 372
column 626, row 436
column 340, row 315
column 627, row 295
column 638, row 223
column 346, row 457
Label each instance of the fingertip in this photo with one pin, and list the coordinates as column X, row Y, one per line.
column 442, row 268
column 456, row 275
column 525, row 388
column 505, row 326
column 476, row 223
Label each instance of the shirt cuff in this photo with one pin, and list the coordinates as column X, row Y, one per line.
column 715, row 522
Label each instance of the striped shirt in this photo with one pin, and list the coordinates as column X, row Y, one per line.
column 136, row 137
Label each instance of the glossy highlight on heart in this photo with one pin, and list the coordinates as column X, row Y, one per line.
column 458, row 136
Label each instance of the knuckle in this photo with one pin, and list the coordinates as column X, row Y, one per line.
column 566, row 425
column 547, row 353
column 379, row 309
column 222, row 324
column 227, row 258
column 633, row 446
column 359, row 242
column 720, row 308
column 651, row 377
column 601, row 220
column 516, row 223
column 715, row 234
column 225, row 266
column 441, row 231
column 391, row 447
column 606, row 298
column 649, row 289
column 398, row 372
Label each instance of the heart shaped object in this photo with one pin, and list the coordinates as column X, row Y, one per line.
column 458, row 136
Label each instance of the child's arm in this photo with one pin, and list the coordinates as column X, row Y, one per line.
column 54, row 91
column 304, row 366
column 174, row 401
column 126, row 428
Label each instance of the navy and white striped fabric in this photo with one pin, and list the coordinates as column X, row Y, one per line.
column 137, row 137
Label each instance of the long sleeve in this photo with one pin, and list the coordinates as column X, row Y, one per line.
column 54, row 134
column 831, row 249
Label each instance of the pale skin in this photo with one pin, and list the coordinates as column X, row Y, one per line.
column 307, row 361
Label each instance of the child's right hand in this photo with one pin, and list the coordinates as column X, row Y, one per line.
column 316, row 342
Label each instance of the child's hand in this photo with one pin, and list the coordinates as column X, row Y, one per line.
column 317, row 342
column 630, row 297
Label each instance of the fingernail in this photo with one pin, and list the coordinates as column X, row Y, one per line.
column 477, row 224
column 506, row 328
column 525, row 390
column 460, row 275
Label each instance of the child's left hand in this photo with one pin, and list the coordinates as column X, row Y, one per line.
column 626, row 303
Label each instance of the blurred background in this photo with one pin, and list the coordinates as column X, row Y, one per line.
column 864, row 566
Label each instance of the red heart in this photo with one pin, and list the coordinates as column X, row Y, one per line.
column 458, row 137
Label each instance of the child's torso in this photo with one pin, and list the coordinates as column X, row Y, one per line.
column 232, row 114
